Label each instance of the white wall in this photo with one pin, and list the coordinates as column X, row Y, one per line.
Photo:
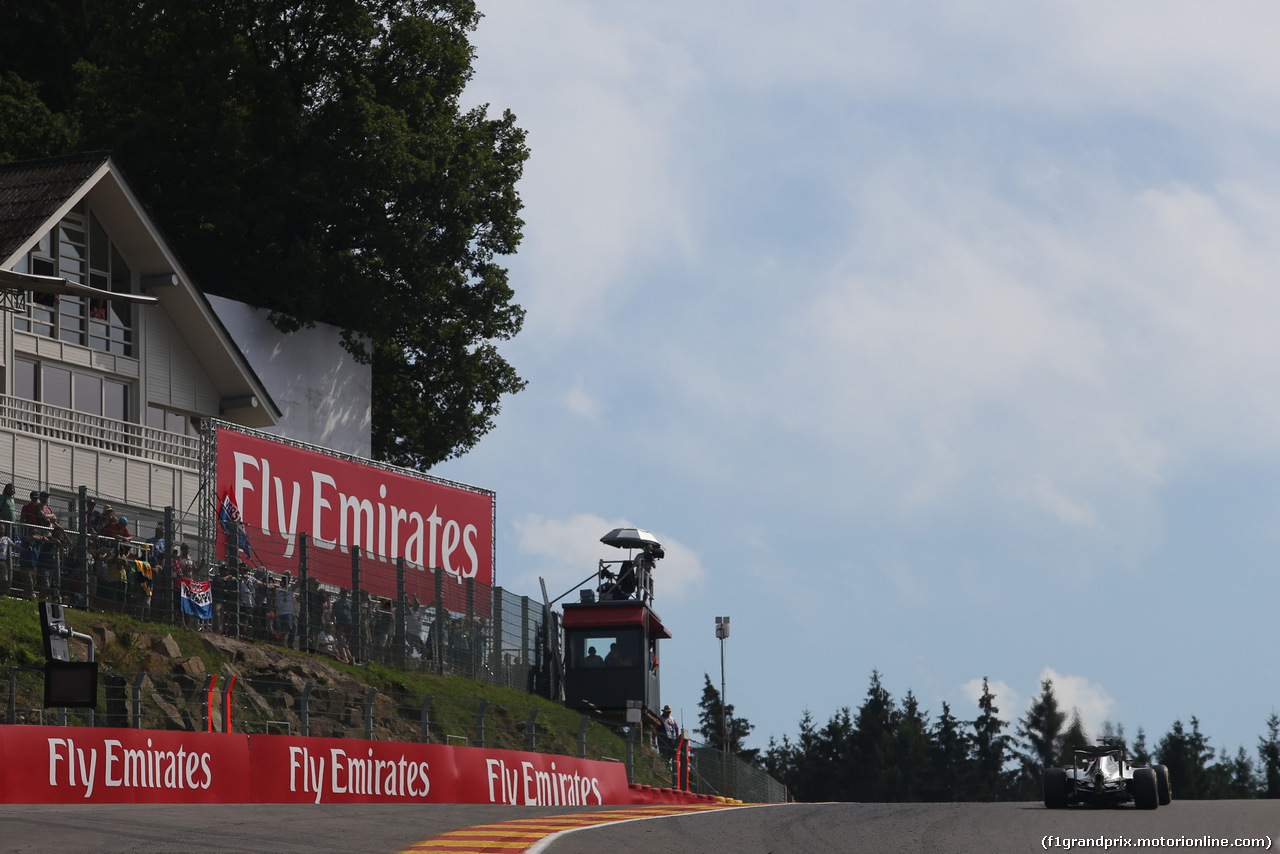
column 325, row 395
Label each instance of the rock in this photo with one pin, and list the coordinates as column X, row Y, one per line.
column 104, row 636
column 166, row 646
column 192, row 666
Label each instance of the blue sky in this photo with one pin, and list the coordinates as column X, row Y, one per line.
column 938, row 338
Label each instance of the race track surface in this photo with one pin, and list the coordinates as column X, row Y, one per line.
column 782, row 829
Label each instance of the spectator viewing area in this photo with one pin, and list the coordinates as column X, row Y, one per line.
column 154, row 482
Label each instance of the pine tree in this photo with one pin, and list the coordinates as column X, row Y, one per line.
column 990, row 747
column 911, row 753
column 1269, row 752
column 1072, row 738
column 873, row 748
column 951, row 750
column 711, row 725
column 1141, row 753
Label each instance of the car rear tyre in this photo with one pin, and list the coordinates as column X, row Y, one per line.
column 1146, row 795
column 1055, row 788
column 1162, row 784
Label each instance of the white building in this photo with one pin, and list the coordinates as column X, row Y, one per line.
column 108, row 395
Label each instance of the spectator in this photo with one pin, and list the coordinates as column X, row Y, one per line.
column 117, row 528
column 413, row 626
column 106, row 519
column 8, row 509
column 157, row 544
column 32, row 513
column 342, row 617
column 383, row 627
column 46, row 513
column 286, row 622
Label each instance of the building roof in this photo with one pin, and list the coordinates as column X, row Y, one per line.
column 36, row 194
column 31, row 193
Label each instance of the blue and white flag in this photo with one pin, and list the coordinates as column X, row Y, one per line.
column 197, row 599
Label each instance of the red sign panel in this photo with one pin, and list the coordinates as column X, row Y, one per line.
column 280, row 490
column 72, row 765
column 342, row 770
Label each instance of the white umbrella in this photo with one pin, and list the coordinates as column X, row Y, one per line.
column 630, row 538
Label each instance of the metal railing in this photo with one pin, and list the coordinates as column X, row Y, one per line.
column 95, row 431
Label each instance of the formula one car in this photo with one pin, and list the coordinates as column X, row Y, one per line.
column 1104, row 776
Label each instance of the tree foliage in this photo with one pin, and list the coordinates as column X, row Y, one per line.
column 714, row 717
column 890, row 751
column 310, row 158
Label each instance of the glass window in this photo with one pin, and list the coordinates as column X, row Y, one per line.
column 603, row 648
column 88, row 394
column 24, row 380
column 56, row 386
column 115, row 400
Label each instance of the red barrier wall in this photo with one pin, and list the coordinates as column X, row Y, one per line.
column 341, row 770
column 64, row 765
column 97, row 765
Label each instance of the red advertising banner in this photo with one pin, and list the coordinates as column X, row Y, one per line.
column 280, row 490
column 287, row 769
column 75, row 765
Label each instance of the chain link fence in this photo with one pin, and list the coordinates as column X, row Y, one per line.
column 327, row 600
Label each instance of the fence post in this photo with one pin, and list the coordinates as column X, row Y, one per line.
column 525, row 651
column 441, row 626
column 425, row 732
column 172, row 608
column 631, row 754
column 400, row 656
column 473, row 628
column 82, row 543
column 137, row 699
column 533, row 729
column 582, row 737
column 233, row 563
column 209, row 682
column 484, row 704
column 304, row 709
column 368, row 713
column 495, row 649
column 357, row 607
column 304, row 584
column 226, row 704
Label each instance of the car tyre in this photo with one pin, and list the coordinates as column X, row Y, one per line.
column 1146, row 793
column 1162, row 784
column 1055, row 788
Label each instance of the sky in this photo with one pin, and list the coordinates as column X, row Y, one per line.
column 937, row 339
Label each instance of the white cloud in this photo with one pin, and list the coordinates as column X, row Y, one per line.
column 1007, row 701
column 567, row 551
column 1077, row 693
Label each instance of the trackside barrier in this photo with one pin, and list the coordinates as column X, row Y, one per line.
column 40, row 765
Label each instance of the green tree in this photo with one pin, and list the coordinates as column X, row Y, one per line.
column 1141, row 754
column 911, row 754
column 710, row 710
column 1041, row 733
column 313, row 159
column 1269, row 753
column 1187, row 755
column 991, row 747
column 952, row 763
column 1074, row 736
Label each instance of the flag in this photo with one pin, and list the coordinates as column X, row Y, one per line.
column 229, row 515
column 197, row 598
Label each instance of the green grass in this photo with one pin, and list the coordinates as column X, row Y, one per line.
column 454, row 699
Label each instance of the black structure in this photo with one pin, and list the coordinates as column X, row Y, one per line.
column 611, row 655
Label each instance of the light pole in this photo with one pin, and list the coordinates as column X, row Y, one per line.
column 722, row 632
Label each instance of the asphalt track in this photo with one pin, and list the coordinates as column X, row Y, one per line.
column 782, row 829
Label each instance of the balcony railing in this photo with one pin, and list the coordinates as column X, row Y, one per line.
column 94, row 431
